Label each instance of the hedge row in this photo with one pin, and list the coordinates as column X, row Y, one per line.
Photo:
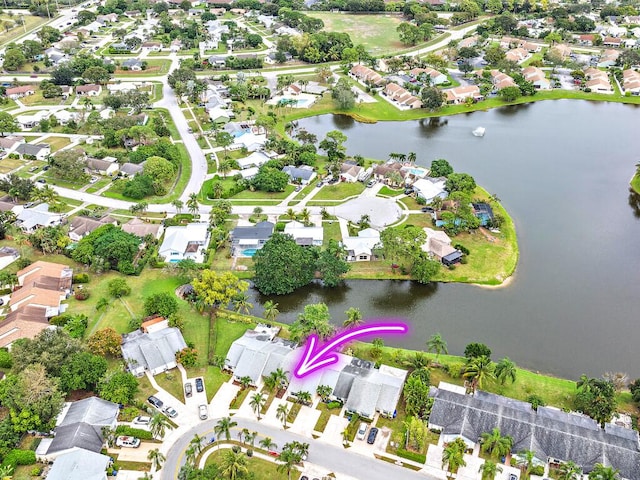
column 133, row 432
column 413, row 456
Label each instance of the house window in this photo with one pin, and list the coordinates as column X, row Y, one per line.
column 363, row 257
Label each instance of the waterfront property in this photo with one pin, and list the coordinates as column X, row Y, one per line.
column 553, row 435
column 361, row 247
column 305, row 235
column 182, row 242
column 246, row 241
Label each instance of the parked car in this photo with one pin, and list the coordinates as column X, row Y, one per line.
column 298, row 188
column 362, row 430
column 41, row 181
column 155, row 401
column 427, row 209
column 170, row 412
column 513, row 476
column 93, row 180
column 45, row 168
column 319, row 184
column 373, row 433
column 142, row 420
column 1, row 302
column 188, row 389
column 203, row 412
column 199, row 385
column 371, row 183
column 131, row 442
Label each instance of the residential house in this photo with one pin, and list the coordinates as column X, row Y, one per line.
column 517, row 55
column 461, row 94
column 108, row 18
column 18, row 92
column 65, row 116
column 245, row 241
column 361, row 247
column 501, row 80
column 483, row 212
column 352, row 173
column 102, row 166
column 80, row 465
column 30, row 219
column 386, row 173
column 40, row 151
column 434, row 76
column 153, row 351
column 612, row 42
column 438, row 246
column 90, row 90
column 83, row 226
column 9, row 143
column 306, row 236
column 25, row 322
column 468, row 42
column 272, row 58
column 152, row 46
column 586, row 40
column 365, row 75
column 182, row 242
column 631, row 81
column 141, row 228
column 128, row 169
column 79, row 429
column 608, row 58
column 537, row 77
column 266, row 20
column 301, row 175
column 30, row 121
column 531, row 47
column 256, row 159
column 597, row 80
column 429, row 188
column 284, row 30
column 8, row 206
column 401, row 97
column 510, row 42
column 133, row 64
column 56, row 56
column 554, row 436
column 564, row 51
column 292, row 89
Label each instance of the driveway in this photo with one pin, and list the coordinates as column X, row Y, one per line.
column 134, row 454
column 305, row 421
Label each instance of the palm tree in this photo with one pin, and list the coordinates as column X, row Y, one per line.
column 495, row 444
column 526, row 463
column 282, row 412
column 600, row 472
column 270, row 310
column 244, row 433
column 192, row 203
column 267, row 444
column 233, row 465
column 241, row 303
column 412, row 157
column 226, row 166
column 224, row 426
column 437, row 344
column 190, row 455
column 178, row 204
column 354, row 317
column 196, row 444
column 245, row 382
column 569, row 471
column 305, row 216
column 291, row 213
column 289, row 459
column 489, row 470
column 159, row 425
column 324, row 391
column 6, row 471
column 280, row 378
column 303, row 398
column 417, row 361
column 505, row 370
column 45, row 194
column 453, row 455
column 257, row 402
column 478, row 370
column 157, row 458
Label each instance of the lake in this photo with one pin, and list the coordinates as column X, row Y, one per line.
column 562, row 170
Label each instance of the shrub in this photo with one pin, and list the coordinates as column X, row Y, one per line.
column 5, row 358
column 236, row 449
column 36, row 471
column 20, row 457
column 133, row 432
column 118, row 287
column 462, row 248
column 280, row 227
column 249, row 452
column 60, row 320
column 334, row 404
column 413, row 456
column 23, row 262
column 5, row 291
column 80, row 278
column 454, row 370
column 82, row 295
column 187, row 357
column 537, row 470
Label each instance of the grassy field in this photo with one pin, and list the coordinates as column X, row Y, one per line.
column 390, row 192
column 340, row 191
column 8, row 164
column 331, row 232
column 38, row 99
column 259, row 469
column 376, row 32
column 30, row 21
column 155, row 66
column 635, row 182
column 58, row 142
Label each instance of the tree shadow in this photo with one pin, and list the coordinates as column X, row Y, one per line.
column 634, row 202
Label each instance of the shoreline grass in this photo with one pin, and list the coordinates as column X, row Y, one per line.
column 635, row 182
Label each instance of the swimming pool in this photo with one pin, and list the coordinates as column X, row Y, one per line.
column 249, row 252
column 302, row 102
column 416, row 171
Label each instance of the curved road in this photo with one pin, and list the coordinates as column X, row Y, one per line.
column 332, row 458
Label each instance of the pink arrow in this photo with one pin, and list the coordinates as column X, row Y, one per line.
column 314, row 359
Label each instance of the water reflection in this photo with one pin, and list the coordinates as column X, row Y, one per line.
column 400, row 295
column 634, row 202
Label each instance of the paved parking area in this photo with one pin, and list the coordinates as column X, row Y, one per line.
column 219, row 406
column 305, row 421
column 381, row 211
column 134, row 454
column 333, row 431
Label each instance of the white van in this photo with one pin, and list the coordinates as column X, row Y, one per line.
column 362, row 430
column 131, row 442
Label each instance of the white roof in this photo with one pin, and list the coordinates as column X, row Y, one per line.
column 79, row 465
column 298, row 230
column 249, row 139
column 38, row 215
column 429, row 189
column 434, row 235
column 364, row 243
column 254, row 160
column 176, row 239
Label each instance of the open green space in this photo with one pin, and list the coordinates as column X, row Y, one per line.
column 155, row 67
column 339, row 191
column 259, row 469
column 38, row 99
column 30, row 22
column 331, row 232
column 376, row 32
column 57, row 143
column 390, row 192
column 8, row 164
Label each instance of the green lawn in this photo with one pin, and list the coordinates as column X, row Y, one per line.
column 339, row 191
column 38, row 99
column 258, row 469
column 245, row 195
column 8, row 164
column 331, row 232
column 30, row 21
column 58, row 142
column 155, row 66
column 325, row 415
column 171, row 381
column 635, row 182
column 390, row 192
column 376, row 32
column 410, row 203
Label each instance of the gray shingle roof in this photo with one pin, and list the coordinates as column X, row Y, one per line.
column 259, row 231
column 155, row 350
column 548, row 432
column 92, row 410
column 80, row 435
column 298, row 172
column 79, row 465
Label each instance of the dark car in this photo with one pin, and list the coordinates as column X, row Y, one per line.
column 188, row 389
column 199, row 385
column 373, row 433
column 513, row 476
column 45, row 168
column 41, row 180
column 156, row 402
column 427, row 209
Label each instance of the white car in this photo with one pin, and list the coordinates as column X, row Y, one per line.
column 170, row 412
column 142, row 420
column 203, row 412
column 362, row 430
column 94, row 179
column 131, row 442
